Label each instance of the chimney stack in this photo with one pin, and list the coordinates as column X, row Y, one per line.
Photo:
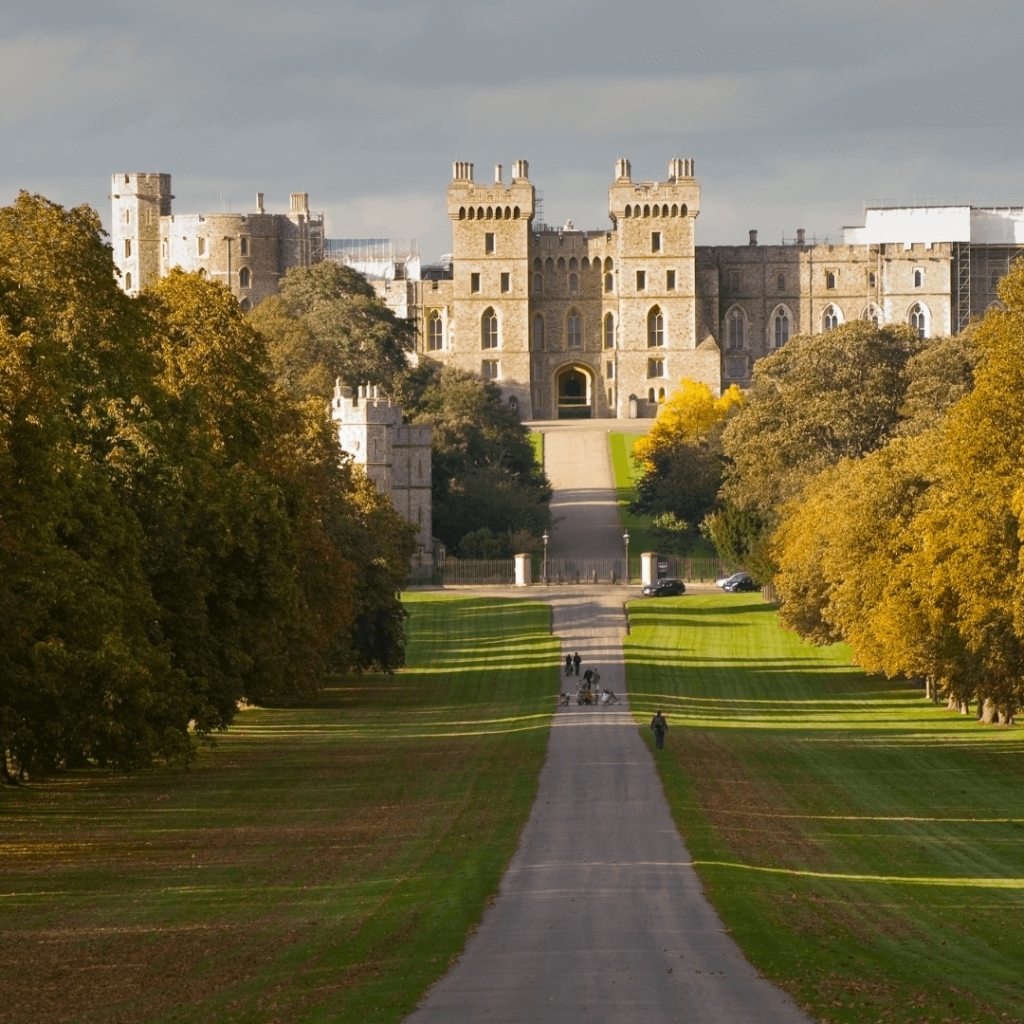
column 799, row 236
column 753, row 238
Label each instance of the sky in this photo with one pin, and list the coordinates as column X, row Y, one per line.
column 796, row 113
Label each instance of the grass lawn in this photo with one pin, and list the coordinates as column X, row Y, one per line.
column 865, row 848
column 320, row 864
column 536, row 438
column 641, row 531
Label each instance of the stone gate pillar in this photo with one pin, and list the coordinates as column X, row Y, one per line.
column 524, row 570
column 648, row 567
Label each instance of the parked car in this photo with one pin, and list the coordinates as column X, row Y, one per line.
column 743, row 583
column 663, row 588
column 730, row 579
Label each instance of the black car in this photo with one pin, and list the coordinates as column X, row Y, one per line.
column 740, row 584
column 663, row 588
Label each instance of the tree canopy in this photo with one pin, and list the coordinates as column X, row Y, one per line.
column 327, row 324
column 176, row 534
column 484, row 473
column 913, row 553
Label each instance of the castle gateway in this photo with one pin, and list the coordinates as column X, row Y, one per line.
column 568, row 323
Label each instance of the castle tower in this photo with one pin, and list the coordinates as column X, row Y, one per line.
column 655, row 283
column 138, row 201
column 488, row 326
column 395, row 457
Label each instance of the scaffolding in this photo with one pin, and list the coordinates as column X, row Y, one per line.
column 962, row 255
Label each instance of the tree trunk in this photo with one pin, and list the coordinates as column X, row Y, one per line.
column 987, row 713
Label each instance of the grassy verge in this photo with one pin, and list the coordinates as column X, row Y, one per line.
column 865, row 848
column 642, row 536
column 321, row 864
column 536, row 438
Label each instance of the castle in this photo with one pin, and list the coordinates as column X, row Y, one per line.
column 599, row 323
column 247, row 252
column 396, row 457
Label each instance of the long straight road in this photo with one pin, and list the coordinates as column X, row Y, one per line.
column 584, row 506
column 600, row 917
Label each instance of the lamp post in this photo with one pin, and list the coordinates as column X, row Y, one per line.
column 625, row 542
column 545, row 538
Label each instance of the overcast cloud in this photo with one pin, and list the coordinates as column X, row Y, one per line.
column 796, row 113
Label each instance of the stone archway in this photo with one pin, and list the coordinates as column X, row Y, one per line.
column 574, row 388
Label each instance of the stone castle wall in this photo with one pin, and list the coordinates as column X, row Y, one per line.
column 249, row 253
column 396, row 457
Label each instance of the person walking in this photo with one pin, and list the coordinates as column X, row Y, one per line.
column 568, row 664
column 576, row 659
column 659, row 727
column 588, row 677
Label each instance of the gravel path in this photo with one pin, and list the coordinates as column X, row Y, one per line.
column 600, row 917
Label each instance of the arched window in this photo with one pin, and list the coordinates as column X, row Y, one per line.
column 538, row 332
column 682, row 210
column 830, row 279
column 585, row 265
column 462, row 213
column 919, row 319
column 661, row 394
column 830, row 318
column 435, row 332
column 489, row 329
column 629, row 210
column 574, row 330
column 609, row 331
column 780, row 282
column 537, row 265
column 561, row 263
column 675, row 210
column 737, row 329
column 609, row 282
column 472, row 213
column 538, row 284
column 244, row 277
column 650, row 395
column 202, row 273
column 918, row 278
column 872, row 315
column 128, row 282
column 655, row 328
column 549, row 264
column 647, row 211
column 781, row 327
column 608, row 265
column 573, row 265
column 574, row 283
column 245, row 305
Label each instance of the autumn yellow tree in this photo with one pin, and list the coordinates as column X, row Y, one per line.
column 686, row 418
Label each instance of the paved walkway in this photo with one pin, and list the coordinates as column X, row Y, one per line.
column 600, row 917
column 579, row 466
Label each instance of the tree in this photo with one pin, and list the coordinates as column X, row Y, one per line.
column 821, row 398
column 484, row 474
column 175, row 532
column 688, row 417
column 328, row 324
column 83, row 670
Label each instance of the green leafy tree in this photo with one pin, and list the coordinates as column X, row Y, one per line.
column 484, row 474
column 819, row 399
column 328, row 324
column 84, row 674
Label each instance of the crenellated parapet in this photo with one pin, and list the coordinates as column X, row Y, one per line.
column 678, row 196
column 395, row 456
